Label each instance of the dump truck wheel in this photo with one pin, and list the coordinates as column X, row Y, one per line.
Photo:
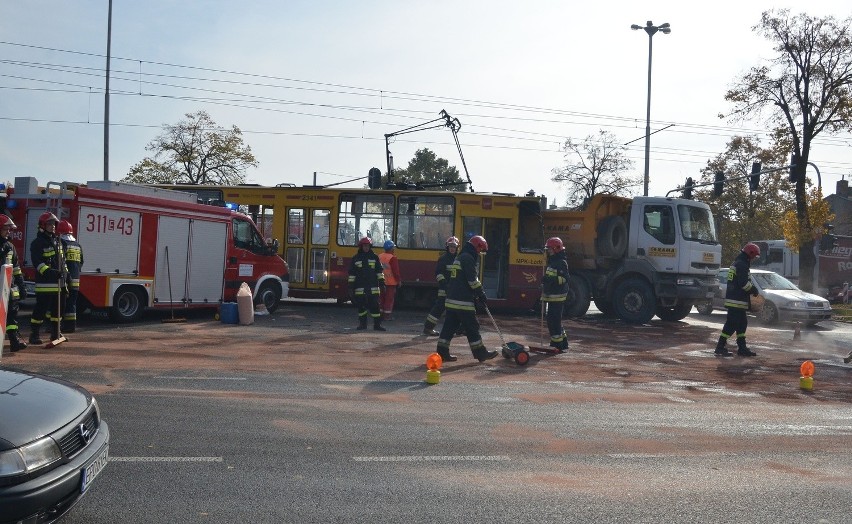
column 634, row 301
column 612, row 237
column 579, row 298
column 673, row 314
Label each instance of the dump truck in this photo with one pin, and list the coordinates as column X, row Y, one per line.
column 637, row 257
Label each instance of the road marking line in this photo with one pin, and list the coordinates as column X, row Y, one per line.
column 200, row 378
column 166, row 459
column 428, row 458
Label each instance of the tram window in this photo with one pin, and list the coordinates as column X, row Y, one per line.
column 530, row 233
column 425, row 222
column 363, row 215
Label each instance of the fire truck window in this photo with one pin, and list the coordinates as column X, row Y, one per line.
column 364, row 215
column 247, row 237
column 425, row 222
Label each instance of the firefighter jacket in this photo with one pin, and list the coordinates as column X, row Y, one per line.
column 555, row 280
column 442, row 272
column 390, row 267
column 9, row 255
column 49, row 262
column 739, row 283
column 365, row 273
column 73, row 260
column 464, row 285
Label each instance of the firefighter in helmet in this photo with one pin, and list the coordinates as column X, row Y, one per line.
column 9, row 256
column 442, row 275
column 74, row 263
column 463, row 291
column 366, row 282
column 555, row 291
column 49, row 261
column 738, row 301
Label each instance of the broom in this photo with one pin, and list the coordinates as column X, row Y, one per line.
column 172, row 320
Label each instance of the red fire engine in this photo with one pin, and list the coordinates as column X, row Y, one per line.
column 148, row 247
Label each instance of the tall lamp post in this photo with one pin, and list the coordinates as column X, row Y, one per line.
column 651, row 29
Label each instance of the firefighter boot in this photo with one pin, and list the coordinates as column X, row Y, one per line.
column 721, row 350
column 362, row 322
column 377, row 324
column 742, row 350
column 444, row 352
column 15, row 342
column 482, row 354
column 69, row 326
column 429, row 329
column 35, row 338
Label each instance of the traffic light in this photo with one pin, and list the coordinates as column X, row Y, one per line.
column 794, row 175
column 719, row 184
column 754, row 177
column 687, row 188
column 374, row 178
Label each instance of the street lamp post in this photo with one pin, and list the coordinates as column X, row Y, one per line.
column 651, row 29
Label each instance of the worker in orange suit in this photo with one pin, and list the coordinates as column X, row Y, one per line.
column 393, row 280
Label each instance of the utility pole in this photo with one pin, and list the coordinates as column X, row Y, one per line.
column 106, row 95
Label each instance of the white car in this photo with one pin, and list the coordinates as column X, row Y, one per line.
column 782, row 300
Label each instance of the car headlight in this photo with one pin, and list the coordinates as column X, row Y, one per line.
column 826, row 305
column 797, row 305
column 27, row 458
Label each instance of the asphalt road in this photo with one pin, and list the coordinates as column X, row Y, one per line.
column 298, row 418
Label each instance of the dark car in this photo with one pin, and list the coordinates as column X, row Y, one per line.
column 53, row 444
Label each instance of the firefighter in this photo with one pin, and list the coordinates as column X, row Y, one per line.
column 366, row 282
column 463, row 291
column 8, row 255
column 48, row 259
column 393, row 279
column 74, row 263
column 555, row 291
column 738, row 301
column 442, row 275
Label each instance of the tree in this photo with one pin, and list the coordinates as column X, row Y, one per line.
column 742, row 215
column 595, row 165
column 429, row 170
column 802, row 92
column 820, row 213
column 195, row 151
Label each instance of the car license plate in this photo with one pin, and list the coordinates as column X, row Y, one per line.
column 91, row 471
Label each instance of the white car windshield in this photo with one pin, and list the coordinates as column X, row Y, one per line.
column 772, row 281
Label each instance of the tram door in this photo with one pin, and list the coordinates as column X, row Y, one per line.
column 306, row 247
column 494, row 266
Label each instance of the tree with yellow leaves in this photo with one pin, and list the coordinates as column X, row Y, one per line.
column 797, row 233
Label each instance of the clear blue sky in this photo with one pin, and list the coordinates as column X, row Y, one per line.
column 315, row 85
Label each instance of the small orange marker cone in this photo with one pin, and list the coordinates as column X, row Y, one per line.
column 433, row 366
column 806, row 381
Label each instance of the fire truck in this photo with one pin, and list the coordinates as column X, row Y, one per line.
column 145, row 247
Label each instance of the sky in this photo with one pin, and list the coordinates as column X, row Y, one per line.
column 315, row 85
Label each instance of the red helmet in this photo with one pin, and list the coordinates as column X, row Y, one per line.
column 452, row 241
column 365, row 241
column 6, row 221
column 46, row 217
column 752, row 250
column 555, row 243
column 479, row 243
column 64, row 227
